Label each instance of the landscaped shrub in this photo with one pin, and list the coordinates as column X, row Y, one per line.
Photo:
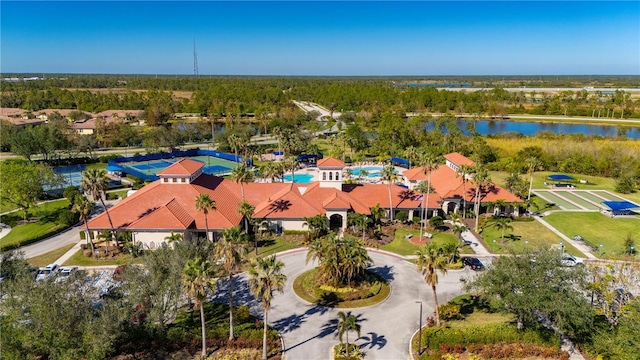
column 450, row 312
column 67, row 217
column 433, row 337
column 402, row 216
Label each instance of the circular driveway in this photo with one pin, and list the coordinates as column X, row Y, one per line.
column 309, row 331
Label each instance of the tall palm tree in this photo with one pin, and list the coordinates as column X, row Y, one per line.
column 197, row 279
column 481, row 179
column 246, row 210
column 204, row 204
column 463, row 171
column 265, row 278
column 388, row 174
column 235, row 142
column 411, row 153
column 241, row 174
column 429, row 163
column 317, row 226
column 290, row 163
column 96, row 182
column 232, row 252
column 347, row 323
column 432, row 259
column 377, row 212
column 83, row 207
column 532, row 164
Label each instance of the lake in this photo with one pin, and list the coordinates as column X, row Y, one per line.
column 488, row 127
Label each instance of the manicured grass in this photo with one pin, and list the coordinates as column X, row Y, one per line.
column 117, row 194
column 536, row 234
column 32, row 232
column 597, row 229
column 79, row 259
column 304, row 289
column 401, row 246
column 277, row 244
column 480, row 318
column 50, row 257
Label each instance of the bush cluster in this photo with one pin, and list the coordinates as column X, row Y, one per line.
column 485, row 334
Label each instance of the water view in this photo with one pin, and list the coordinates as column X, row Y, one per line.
column 488, row 127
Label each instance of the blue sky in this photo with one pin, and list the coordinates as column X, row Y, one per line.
column 322, row 38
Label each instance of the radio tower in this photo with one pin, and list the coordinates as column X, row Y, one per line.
column 195, row 59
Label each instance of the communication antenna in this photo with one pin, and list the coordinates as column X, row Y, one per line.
column 195, row 59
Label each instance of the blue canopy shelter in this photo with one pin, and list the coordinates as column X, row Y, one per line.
column 561, row 177
column 621, row 207
column 399, row 161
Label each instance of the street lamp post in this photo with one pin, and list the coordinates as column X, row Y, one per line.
column 494, row 244
column 420, row 329
column 631, row 250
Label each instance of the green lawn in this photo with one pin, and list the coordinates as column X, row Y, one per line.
column 401, row 246
column 50, row 257
column 28, row 233
column 79, row 259
column 597, row 229
column 535, row 233
column 278, row 244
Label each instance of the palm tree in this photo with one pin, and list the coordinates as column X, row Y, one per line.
column 481, row 179
column 266, row 277
column 317, row 226
column 502, row 224
column 235, row 142
column 290, row 163
column 376, row 212
column 231, row 251
column 204, row 204
column 246, row 210
column 174, row 237
column 428, row 160
column 96, row 182
column 411, row 153
column 388, row 174
column 347, row 323
column 241, row 174
column 532, row 164
column 463, row 171
column 197, row 279
column 432, row 259
column 83, row 207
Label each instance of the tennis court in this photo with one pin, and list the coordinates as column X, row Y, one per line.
column 212, row 165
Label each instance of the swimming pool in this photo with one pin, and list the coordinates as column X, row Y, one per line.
column 372, row 171
column 300, row 178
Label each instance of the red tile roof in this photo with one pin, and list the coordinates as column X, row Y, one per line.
column 182, row 167
column 330, row 162
column 459, row 159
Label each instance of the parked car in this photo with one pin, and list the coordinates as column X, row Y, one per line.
column 47, row 272
column 570, row 260
column 473, row 263
column 65, row 272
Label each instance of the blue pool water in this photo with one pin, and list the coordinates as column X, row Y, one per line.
column 372, row 171
column 299, row 178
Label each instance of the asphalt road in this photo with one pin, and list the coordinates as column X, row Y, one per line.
column 310, row 331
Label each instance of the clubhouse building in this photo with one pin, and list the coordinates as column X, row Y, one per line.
column 168, row 205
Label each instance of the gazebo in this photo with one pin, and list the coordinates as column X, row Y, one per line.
column 559, row 178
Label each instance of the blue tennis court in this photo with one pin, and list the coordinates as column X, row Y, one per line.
column 151, row 165
column 215, row 169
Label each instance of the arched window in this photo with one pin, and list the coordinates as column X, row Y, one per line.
column 324, row 175
column 337, row 176
column 330, row 175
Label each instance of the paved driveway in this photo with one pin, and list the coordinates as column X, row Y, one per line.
column 309, row 331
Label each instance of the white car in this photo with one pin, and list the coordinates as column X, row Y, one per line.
column 65, row 272
column 570, row 260
column 47, row 272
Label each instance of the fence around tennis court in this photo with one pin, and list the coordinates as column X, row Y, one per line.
column 161, row 156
